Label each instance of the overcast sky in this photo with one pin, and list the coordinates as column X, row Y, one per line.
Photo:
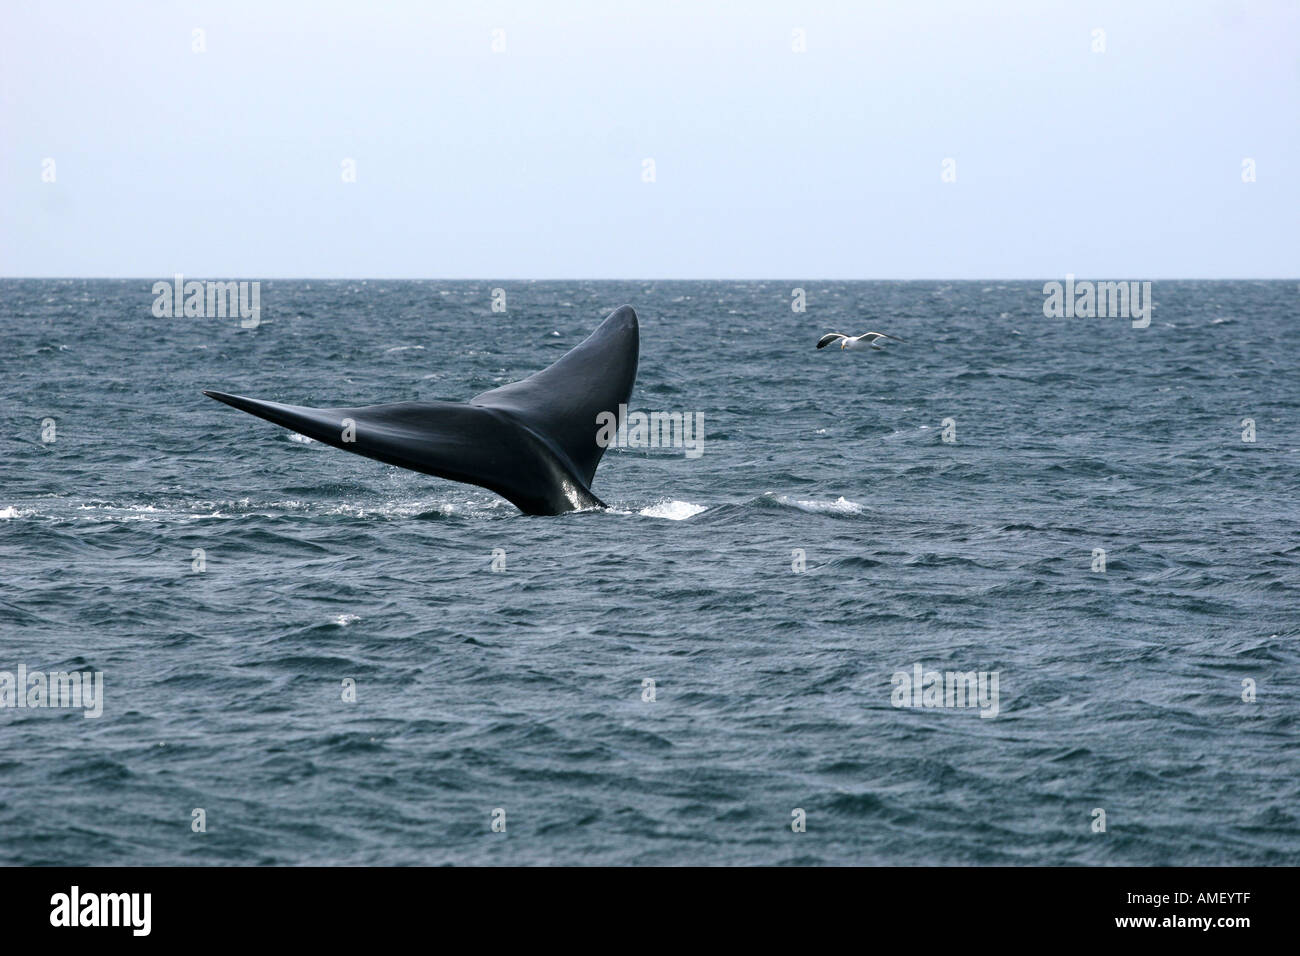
column 531, row 162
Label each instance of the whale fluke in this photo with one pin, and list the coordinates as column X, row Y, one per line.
column 533, row 442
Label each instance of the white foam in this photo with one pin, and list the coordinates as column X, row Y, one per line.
column 840, row 505
column 672, row 510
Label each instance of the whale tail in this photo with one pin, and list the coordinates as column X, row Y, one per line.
column 534, row 442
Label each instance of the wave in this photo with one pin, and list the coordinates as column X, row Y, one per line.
column 840, row 506
column 672, row 510
column 65, row 511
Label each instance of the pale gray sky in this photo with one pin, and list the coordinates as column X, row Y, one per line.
column 769, row 163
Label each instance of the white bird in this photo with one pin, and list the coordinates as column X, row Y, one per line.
column 854, row 341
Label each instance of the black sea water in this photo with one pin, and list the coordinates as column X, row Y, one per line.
column 1103, row 516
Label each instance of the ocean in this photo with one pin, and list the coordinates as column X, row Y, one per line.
column 309, row 657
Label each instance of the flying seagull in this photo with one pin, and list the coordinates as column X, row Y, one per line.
column 854, row 341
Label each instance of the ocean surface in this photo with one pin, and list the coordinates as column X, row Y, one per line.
column 524, row 690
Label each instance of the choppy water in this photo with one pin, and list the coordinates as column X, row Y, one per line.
column 522, row 690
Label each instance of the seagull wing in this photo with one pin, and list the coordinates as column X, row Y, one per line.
column 830, row 337
column 872, row 336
